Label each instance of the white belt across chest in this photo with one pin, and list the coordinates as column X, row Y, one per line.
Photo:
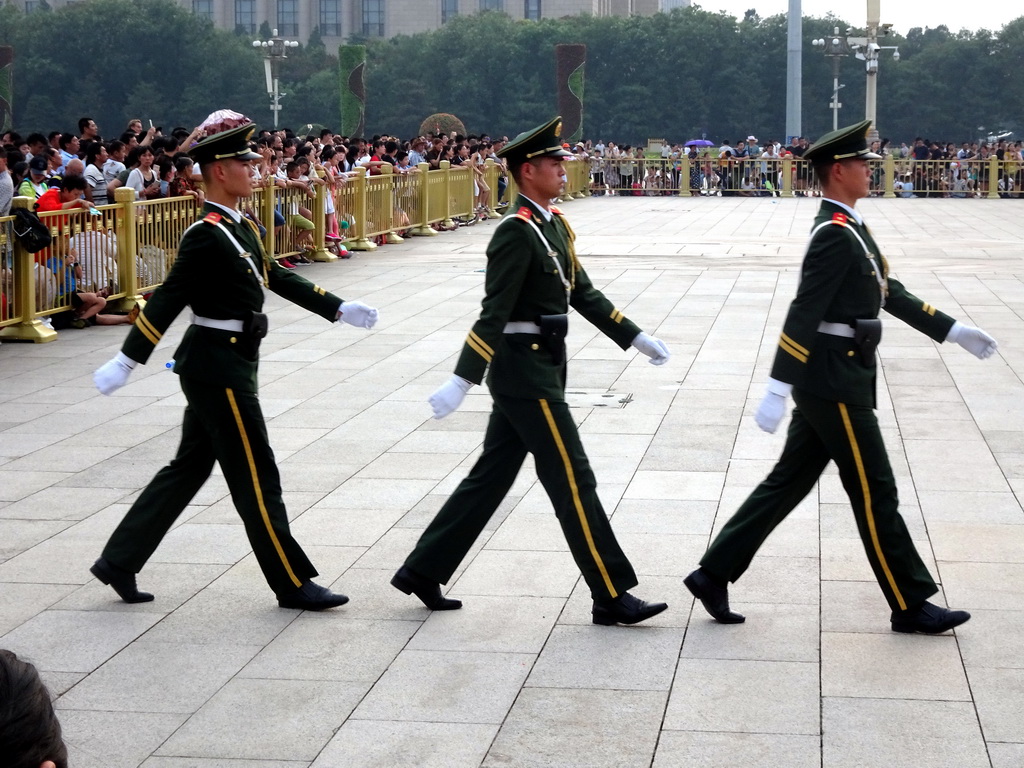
column 522, row 326
column 836, row 329
column 237, row 326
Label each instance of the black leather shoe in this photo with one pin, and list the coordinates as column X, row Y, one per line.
column 311, row 597
column 121, row 580
column 714, row 598
column 410, row 582
column 625, row 609
column 929, row 619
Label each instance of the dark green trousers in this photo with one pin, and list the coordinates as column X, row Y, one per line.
column 226, row 426
column 545, row 429
column 820, row 431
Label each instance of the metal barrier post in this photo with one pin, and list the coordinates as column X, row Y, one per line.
column 993, row 178
column 127, row 251
column 491, row 179
column 582, row 179
column 889, row 169
column 267, row 216
column 423, row 229
column 30, row 328
column 787, row 175
column 388, row 171
column 359, row 239
column 446, row 190
column 320, row 252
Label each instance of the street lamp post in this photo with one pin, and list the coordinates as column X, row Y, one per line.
column 835, row 48
column 274, row 50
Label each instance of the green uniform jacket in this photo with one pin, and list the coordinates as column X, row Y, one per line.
column 523, row 283
column 210, row 276
column 839, row 283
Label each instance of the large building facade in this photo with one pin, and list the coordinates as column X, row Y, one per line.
column 338, row 20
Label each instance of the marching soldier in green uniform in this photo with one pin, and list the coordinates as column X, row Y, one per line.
column 826, row 361
column 220, row 272
column 533, row 277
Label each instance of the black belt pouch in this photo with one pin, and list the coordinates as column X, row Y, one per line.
column 867, row 334
column 255, row 327
column 553, row 329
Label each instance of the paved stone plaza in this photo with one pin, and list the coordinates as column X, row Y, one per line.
column 212, row 674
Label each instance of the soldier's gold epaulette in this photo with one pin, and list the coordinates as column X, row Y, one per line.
column 840, row 218
column 524, row 213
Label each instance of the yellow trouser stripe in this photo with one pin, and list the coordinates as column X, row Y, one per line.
column 794, row 345
column 151, row 333
column 258, row 490
column 787, row 348
column 868, row 514
column 571, row 476
column 483, row 344
column 477, row 348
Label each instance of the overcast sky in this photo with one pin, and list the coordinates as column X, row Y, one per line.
column 902, row 14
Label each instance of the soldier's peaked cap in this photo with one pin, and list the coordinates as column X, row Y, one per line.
column 232, row 144
column 844, row 144
column 542, row 141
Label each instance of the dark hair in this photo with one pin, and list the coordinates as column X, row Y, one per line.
column 83, row 123
column 50, row 136
column 29, row 730
column 65, row 139
column 115, row 146
column 127, row 137
column 326, row 132
column 328, row 152
column 163, row 164
column 35, row 138
column 72, row 182
column 93, row 152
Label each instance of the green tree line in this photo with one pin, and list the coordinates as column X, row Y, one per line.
column 681, row 75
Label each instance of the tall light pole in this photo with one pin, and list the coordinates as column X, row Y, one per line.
column 794, row 71
column 274, row 50
column 867, row 49
column 835, row 48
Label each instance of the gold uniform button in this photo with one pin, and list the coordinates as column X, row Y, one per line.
column 872, row 273
column 848, row 354
column 250, row 271
column 233, row 340
column 535, row 347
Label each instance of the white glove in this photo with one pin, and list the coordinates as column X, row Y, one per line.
column 652, row 347
column 974, row 340
column 449, row 396
column 773, row 406
column 114, row 374
column 358, row 314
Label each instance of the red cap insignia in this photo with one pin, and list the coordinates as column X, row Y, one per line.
column 212, row 218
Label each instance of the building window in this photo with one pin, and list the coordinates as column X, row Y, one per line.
column 203, row 9
column 330, row 18
column 492, row 5
column 531, row 10
column 245, row 16
column 373, row 18
column 31, row 5
column 288, row 17
column 449, row 10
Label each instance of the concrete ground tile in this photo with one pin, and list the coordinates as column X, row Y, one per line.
column 491, row 624
column 159, row 677
column 76, row 641
column 594, row 657
column 946, row 465
column 778, row 580
column 447, row 441
column 687, row 486
column 114, row 739
column 663, row 516
column 382, row 744
column 970, row 586
column 780, row 697
column 192, row 762
column 412, row 466
column 331, row 646
column 447, row 687
column 782, row 633
column 855, row 606
column 171, row 583
column 845, row 559
column 999, row 697
column 507, row 572
column 390, row 550
column 16, row 485
column 993, row 638
column 16, row 536
column 923, row 734
column 977, row 542
column 579, row 729
column 1006, row 755
column 266, row 720
column 892, row 666
column 662, row 554
column 530, row 531
column 61, row 503
column 345, row 526
column 684, row 749
column 377, row 494
column 192, row 543
column 614, row 422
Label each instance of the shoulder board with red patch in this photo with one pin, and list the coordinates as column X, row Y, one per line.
column 212, row 218
column 524, row 213
column 840, row 218
column 557, row 210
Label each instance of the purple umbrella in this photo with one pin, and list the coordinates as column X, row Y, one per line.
column 699, row 143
